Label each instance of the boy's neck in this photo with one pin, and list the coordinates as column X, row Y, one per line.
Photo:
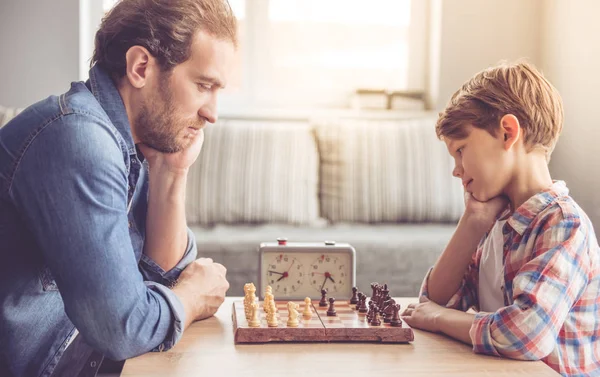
column 531, row 177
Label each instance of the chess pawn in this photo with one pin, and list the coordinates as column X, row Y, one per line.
column 254, row 321
column 331, row 311
column 307, row 313
column 268, row 290
column 272, row 319
column 396, row 321
column 354, row 298
column 323, row 302
column 293, row 314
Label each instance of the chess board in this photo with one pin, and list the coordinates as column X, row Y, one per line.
column 347, row 326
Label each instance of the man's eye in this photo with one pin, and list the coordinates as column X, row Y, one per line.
column 204, row 87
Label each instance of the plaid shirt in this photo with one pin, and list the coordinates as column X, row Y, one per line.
column 551, row 288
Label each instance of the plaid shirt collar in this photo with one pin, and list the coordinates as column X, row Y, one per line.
column 523, row 216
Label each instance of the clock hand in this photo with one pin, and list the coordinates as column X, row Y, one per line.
column 330, row 278
column 324, row 281
column 275, row 272
column 284, row 275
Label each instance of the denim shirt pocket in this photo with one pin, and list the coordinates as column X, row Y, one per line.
column 47, row 280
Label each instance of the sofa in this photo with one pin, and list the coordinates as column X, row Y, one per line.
column 381, row 184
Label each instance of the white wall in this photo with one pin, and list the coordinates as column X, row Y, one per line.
column 39, row 44
column 476, row 34
column 570, row 57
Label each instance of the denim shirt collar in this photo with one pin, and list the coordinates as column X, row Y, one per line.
column 105, row 91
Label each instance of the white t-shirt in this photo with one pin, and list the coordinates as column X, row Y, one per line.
column 491, row 270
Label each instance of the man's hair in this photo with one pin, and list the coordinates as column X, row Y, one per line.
column 518, row 89
column 166, row 28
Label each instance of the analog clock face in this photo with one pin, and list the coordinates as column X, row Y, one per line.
column 285, row 274
column 328, row 272
column 304, row 274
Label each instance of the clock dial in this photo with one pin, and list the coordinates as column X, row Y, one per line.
column 285, row 274
column 329, row 272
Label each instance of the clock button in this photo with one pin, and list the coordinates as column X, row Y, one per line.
column 329, row 243
column 282, row 241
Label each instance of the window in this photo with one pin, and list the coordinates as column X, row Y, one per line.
column 317, row 53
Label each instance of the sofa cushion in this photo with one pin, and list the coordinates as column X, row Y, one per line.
column 255, row 172
column 386, row 171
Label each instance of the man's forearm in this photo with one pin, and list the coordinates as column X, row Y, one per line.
column 166, row 228
column 448, row 272
column 456, row 324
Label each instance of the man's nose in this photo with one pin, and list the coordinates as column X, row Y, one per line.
column 209, row 110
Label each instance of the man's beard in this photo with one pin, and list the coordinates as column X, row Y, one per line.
column 157, row 124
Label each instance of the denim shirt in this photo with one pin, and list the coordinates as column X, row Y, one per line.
column 73, row 203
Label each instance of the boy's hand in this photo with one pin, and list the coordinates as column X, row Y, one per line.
column 482, row 215
column 424, row 315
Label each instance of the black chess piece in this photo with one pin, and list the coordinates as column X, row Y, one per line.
column 396, row 321
column 323, row 301
column 375, row 320
column 354, row 299
column 374, row 287
column 363, row 305
column 371, row 310
column 360, row 295
column 331, row 311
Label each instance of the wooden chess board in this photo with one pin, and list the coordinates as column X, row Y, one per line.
column 347, row 326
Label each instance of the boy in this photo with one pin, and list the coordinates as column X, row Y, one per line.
column 524, row 255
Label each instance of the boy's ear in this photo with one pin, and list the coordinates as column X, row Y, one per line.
column 510, row 130
column 139, row 66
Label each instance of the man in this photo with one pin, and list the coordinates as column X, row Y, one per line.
column 96, row 257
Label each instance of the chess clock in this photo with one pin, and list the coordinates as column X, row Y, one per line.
column 296, row 270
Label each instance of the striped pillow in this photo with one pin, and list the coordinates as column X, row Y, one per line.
column 255, row 172
column 386, row 171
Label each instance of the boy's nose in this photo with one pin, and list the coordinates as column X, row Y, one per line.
column 457, row 172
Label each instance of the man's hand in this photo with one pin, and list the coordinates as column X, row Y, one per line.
column 482, row 215
column 178, row 162
column 201, row 287
column 424, row 315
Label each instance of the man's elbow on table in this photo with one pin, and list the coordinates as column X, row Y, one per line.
column 122, row 333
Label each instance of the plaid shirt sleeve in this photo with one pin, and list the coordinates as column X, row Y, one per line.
column 544, row 290
column 466, row 296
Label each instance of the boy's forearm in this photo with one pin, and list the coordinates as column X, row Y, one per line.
column 447, row 274
column 456, row 324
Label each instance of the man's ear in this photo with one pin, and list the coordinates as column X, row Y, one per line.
column 140, row 66
column 510, row 130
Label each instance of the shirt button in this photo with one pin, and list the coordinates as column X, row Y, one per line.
column 130, row 223
column 161, row 347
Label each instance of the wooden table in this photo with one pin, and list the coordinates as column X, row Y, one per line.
column 207, row 349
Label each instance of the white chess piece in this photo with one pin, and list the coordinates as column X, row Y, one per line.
column 307, row 313
column 254, row 321
column 272, row 320
column 293, row 314
column 249, row 298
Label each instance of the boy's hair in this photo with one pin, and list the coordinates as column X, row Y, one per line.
column 166, row 28
column 518, row 89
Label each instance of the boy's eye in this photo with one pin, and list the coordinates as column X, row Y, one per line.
column 459, row 150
